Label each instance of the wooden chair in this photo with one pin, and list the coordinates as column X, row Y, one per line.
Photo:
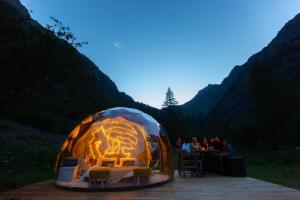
column 215, row 163
column 186, row 163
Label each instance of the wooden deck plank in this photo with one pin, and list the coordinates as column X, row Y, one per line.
column 207, row 188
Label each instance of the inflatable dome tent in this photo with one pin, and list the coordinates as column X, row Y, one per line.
column 116, row 148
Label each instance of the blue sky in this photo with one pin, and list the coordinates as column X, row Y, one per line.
column 145, row 46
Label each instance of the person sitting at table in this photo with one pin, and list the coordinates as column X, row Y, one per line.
column 221, row 154
column 217, row 143
column 225, row 156
column 179, row 149
column 194, row 144
column 204, row 144
column 186, row 147
column 227, row 151
column 178, row 143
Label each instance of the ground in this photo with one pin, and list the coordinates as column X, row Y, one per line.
column 208, row 187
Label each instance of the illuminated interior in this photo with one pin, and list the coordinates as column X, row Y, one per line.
column 115, row 148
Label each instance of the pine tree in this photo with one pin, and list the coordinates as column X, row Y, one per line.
column 169, row 99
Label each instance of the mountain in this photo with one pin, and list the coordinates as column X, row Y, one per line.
column 260, row 98
column 206, row 99
column 44, row 81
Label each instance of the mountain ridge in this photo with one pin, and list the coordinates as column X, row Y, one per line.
column 203, row 106
column 45, row 82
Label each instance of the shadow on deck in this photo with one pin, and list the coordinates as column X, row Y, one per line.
column 208, row 187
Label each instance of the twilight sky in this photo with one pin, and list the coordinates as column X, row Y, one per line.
column 145, row 46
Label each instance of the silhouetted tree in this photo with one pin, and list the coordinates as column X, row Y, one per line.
column 169, row 99
column 64, row 32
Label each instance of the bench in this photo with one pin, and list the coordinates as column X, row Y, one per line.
column 99, row 174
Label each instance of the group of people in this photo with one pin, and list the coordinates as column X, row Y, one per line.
column 211, row 154
column 193, row 145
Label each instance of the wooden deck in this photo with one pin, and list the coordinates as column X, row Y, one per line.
column 208, row 187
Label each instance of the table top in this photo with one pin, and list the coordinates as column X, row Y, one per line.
column 201, row 151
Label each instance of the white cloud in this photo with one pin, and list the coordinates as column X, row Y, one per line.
column 117, row 44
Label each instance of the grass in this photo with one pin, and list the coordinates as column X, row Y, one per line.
column 25, row 163
column 280, row 174
column 280, row 167
column 27, row 155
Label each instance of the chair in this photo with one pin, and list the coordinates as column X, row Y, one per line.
column 186, row 163
column 99, row 174
column 215, row 162
column 139, row 172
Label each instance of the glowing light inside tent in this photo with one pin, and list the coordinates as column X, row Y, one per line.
column 94, row 144
column 120, row 139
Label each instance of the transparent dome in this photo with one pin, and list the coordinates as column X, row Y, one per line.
column 116, row 148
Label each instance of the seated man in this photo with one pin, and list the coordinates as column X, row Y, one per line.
column 186, row 147
column 222, row 146
column 217, row 143
column 219, row 156
column 194, row 144
column 178, row 143
column 227, row 151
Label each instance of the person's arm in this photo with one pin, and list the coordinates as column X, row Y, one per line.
column 198, row 146
column 201, row 145
column 192, row 146
column 189, row 148
column 183, row 147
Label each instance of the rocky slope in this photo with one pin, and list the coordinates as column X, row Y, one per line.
column 263, row 94
column 207, row 98
column 44, row 81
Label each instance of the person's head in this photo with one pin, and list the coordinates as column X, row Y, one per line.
column 187, row 140
column 178, row 140
column 225, row 143
column 205, row 141
column 194, row 140
column 213, row 140
column 219, row 139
